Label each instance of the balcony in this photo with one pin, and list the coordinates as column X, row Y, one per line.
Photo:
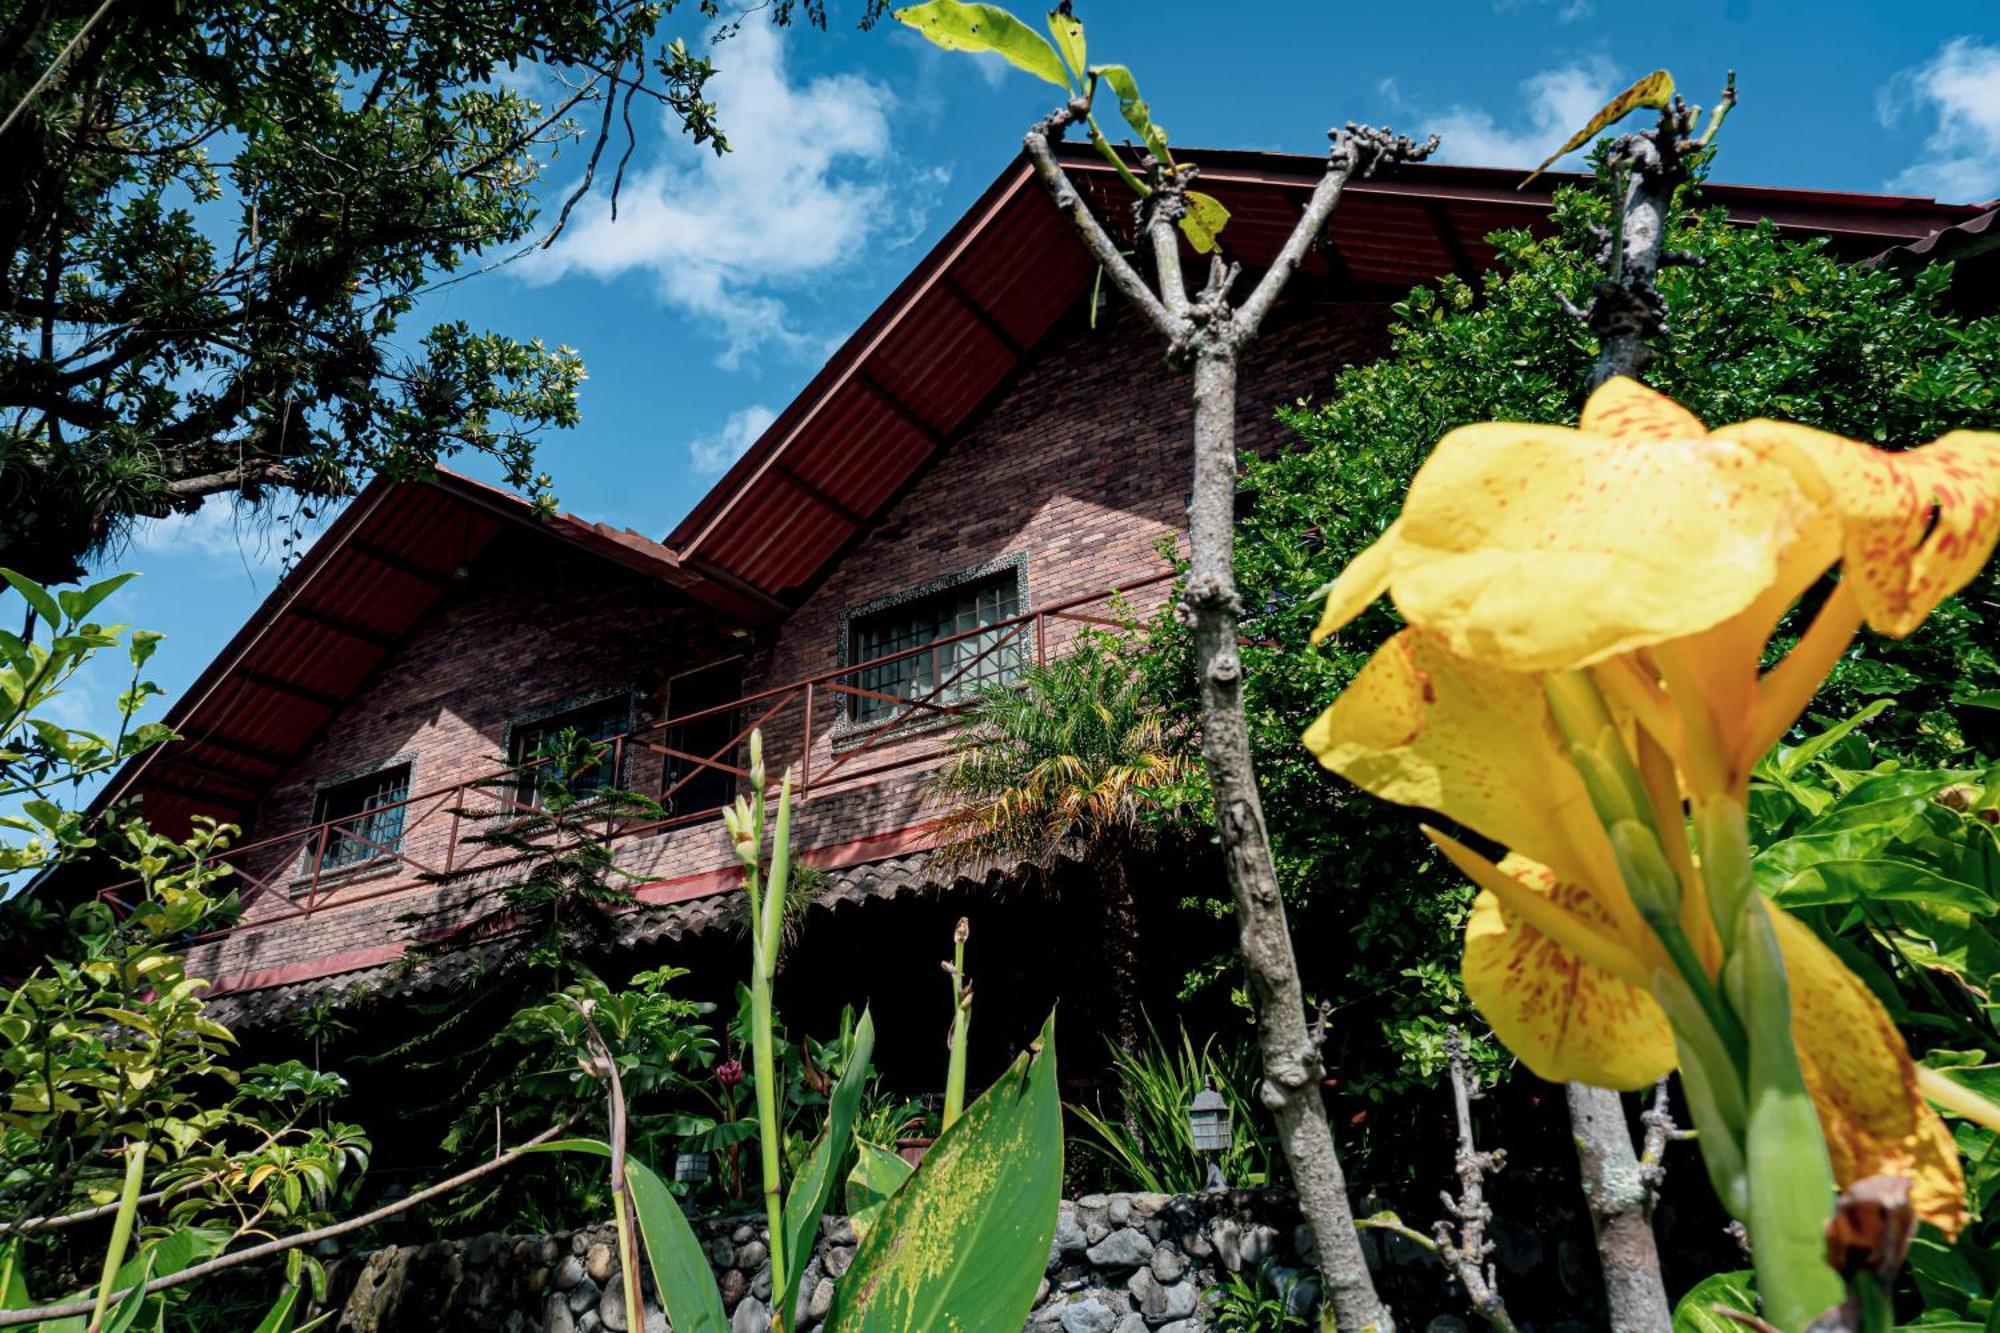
column 857, row 754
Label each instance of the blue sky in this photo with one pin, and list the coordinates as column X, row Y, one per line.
column 725, row 282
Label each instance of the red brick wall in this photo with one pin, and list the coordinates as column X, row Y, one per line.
column 1082, row 466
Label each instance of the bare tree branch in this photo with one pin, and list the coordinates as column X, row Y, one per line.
column 195, row 1272
column 1102, row 248
column 1464, row 1248
column 1357, row 150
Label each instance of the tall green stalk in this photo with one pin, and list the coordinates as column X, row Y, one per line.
column 121, row 1231
column 767, row 907
column 961, row 1025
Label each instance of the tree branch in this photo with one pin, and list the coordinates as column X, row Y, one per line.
column 195, row 1272
column 1464, row 1248
column 1357, row 150
column 1102, row 248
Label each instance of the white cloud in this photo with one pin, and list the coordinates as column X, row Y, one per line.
column 712, row 454
column 1567, row 11
column 810, row 183
column 1958, row 89
column 227, row 537
column 1553, row 105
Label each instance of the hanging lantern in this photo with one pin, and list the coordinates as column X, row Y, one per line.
column 691, row 1168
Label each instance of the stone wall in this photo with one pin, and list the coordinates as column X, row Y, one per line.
column 1121, row 1263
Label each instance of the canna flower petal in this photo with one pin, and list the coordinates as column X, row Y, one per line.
column 1424, row 727
column 1623, row 409
column 1540, row 548
column 1565, row 1017
column 1864, row 1083
column 1917, row 525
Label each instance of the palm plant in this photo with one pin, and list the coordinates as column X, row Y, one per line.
column 1071, row 760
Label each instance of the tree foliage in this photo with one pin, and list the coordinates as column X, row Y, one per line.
column 216, row 218
column 1762, row 326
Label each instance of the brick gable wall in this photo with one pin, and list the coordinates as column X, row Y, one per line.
column 1080, row 468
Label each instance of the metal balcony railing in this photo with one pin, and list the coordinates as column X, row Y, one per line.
column 431, row 837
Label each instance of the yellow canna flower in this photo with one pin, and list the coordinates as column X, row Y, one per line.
column 1659, row 557
column 1654, row 551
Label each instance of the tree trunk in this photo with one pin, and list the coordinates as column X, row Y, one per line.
column 1291, row 1053
column 1633, row 1290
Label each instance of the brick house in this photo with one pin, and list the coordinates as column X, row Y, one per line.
column 965, row 485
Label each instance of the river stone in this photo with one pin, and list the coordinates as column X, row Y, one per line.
column 599, row 1262
column 588, row 1322
column 1181, row 1326
column 1069, row 1236
column 1119, row 1210
column 1168, row 1263
column 1131, row 1323
column 1159, row 1300
column 569, row 1272
column 582, row 1296
column 732, row 1284
column 822, row 1299
column 1121, row 1249
column 1088, row 1316
column 743, row 1233
column 611, row 1309
column 750, row 1317
column 751, row 1255
column 722, row 1253
column 557, row 1318
column 838, row 1258
column 840, row 1231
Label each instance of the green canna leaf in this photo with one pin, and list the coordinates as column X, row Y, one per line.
column 1700, row 1311
column 957, row 26
column 878, row 1173
column 963, row 1243
column 814, row 1188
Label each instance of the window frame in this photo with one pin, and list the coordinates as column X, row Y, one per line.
column 339, row 855
column 622, row 703
column 855, row 719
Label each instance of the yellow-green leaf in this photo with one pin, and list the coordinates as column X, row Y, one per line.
column 1133, row 107
column 1656, row 90
column 1204, row 220
column 877, row 1175
column 1068, row 32
column 957, row 26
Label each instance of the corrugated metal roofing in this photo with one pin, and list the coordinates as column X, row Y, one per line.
column 953, row 330
column 325, row 629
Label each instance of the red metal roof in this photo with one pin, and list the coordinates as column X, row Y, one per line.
column 956, row 327
column 330, row 623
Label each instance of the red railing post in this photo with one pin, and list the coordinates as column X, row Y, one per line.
column 1041, row 639
column 319, row 862
column 806, row 755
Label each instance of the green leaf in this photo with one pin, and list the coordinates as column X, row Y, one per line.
column 1133, row 107
column 1696, row 1312
column 964, row 1242
column 1788, row 760
column 878, row 1173
column 680, row 1266
column 1791, row 1177
column 80, row 602
column 37, row 596
column 279, row 1318
column 1068, row 32
column 1204, row 220
column 1885, row 878
column 957, row 26
column 814, row 1188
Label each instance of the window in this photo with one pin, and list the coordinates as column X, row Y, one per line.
column 953, row 669
column 586, row 769
column 366, row 814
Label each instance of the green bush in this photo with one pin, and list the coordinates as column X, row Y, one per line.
column 1762, row 326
